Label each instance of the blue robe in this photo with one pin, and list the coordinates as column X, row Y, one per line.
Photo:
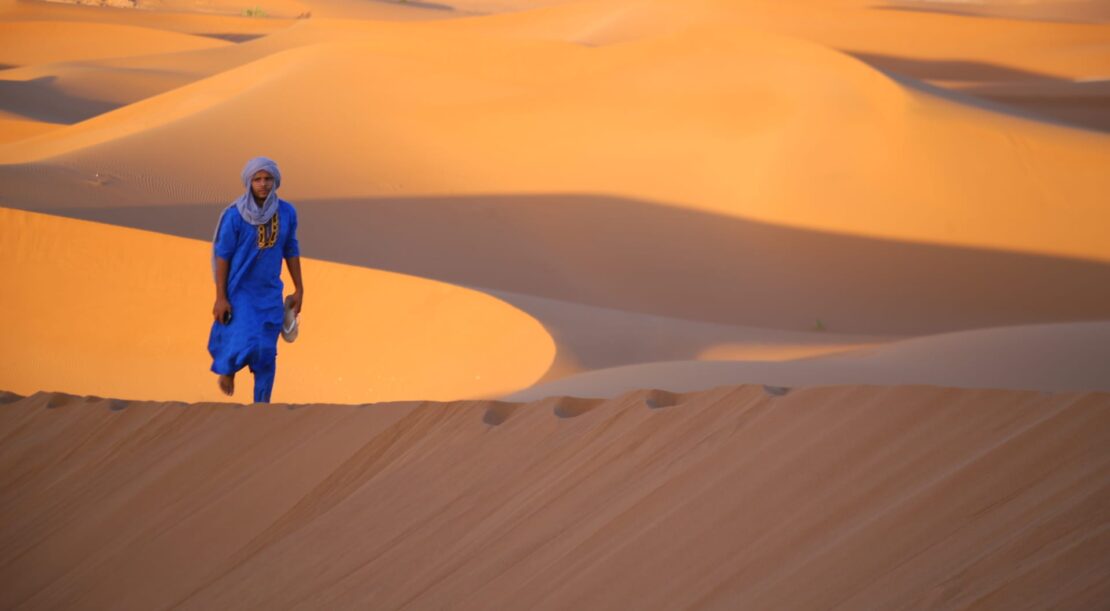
column 254, row 288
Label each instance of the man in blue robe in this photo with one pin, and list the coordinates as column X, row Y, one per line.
column 255, row 233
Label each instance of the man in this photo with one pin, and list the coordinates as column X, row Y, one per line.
column 254, row 234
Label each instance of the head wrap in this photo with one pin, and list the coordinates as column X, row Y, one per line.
column 249, row 210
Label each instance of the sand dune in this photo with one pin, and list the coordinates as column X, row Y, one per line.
column 232, row 27
column 645, row 257
column 764, row 143
column 31, row 42
column 916, row 498
column 765, row 271
column 117, row 312
column 1051, row 10
column 1049, row 358
column 589, row 337
column 13, row 127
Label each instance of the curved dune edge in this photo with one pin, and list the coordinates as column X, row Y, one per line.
column 1054, row 357
column 105, row 310
column 738, row 497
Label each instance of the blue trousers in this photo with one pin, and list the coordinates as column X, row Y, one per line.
column 264, row 370
column 257, row 351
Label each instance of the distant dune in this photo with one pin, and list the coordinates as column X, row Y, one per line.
column 1049, row 358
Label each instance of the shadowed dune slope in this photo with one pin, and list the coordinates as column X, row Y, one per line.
column 118, row 312
column 1049, row 358
column 1046, row 10
column 643, row 256
column 738, row 497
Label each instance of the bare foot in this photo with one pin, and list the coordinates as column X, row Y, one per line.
column 227, row 384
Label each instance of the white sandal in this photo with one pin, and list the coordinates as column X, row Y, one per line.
column 290, row 326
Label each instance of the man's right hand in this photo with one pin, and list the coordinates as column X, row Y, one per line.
column 221, row 310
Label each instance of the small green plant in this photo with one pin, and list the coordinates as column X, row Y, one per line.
column 820, row 326
column 255, row 11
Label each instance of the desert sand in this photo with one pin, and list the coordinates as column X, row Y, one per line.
column 821, row 498
column 775, row 304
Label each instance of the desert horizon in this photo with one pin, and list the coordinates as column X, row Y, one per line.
column 772, row 304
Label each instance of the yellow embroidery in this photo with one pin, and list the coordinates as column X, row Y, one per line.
column 264, row 240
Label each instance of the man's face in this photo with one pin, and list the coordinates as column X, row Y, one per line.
column 261, row 184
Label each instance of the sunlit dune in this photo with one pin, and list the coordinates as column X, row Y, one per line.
column 230, row 27
column 778, row 351
column 714, row 118
column 116, row 312
column 39, row 42
column 13, row 127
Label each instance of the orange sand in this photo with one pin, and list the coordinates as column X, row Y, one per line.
column 865, row 239
column 124, row 305
column 653, row 181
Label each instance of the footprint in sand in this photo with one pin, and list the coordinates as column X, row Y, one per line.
column 776, row 391
column 498, row 413
column 659, row 399
column 55, row 400
column 570, row 407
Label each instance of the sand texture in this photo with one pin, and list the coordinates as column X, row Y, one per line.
column 737, row 497
column 610, row 304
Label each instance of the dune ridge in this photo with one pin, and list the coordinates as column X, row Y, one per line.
column 892, row 497
column 120, row 312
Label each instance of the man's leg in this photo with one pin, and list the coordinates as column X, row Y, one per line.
column 265, row 369
column 264, row 382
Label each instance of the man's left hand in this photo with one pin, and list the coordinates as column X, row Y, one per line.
column 297, row 299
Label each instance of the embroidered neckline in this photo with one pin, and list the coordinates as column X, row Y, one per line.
column 267, row 239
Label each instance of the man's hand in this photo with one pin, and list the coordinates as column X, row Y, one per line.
column 221, row 310
column 296, row 299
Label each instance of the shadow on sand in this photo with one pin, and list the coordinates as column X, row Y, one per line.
column 40, row 100
column 1031, row 95
column 646, row 257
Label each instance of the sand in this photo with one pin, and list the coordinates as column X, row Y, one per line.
column 820, row 498
column 803, row 304
column 432, row 339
